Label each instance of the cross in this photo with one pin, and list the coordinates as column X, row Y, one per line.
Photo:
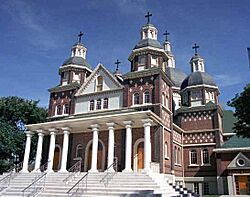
column 117, row 64
column 80, row 36
column 195, row 47
column 166, row 34
column 148, row 16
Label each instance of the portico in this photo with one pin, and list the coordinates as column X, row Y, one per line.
column 113, row 123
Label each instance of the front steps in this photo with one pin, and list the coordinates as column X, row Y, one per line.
column 120, row 184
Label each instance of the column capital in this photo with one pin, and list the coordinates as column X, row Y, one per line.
column 52, row 131
column 28, row 133
column 66, row 130
column 40, row 132
column 94, row 127
column 110, row 124
column 128, row 123
column 147, row 122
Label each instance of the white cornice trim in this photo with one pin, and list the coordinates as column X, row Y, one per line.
column 243, row 149
column 197, row 86
column 205, row 144
column 75, row 66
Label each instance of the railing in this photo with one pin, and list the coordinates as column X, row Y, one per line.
column 77, row 187
column 110, row 173
column 36, row 185
column 155, row 167
column 43, row 167
column 73, row 172
column 5, row 181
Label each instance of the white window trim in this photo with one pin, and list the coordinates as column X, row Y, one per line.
column 150, row 100
column 190, row 159
column 64, row 109
column 134, row 99
column 202, row 163
column 90, row 104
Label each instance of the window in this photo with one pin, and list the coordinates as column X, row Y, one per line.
column 196, row 95
column 205, row 156
column 58, row 110
column 146, row 97
column 66, row 109
column 65, row 78
column 99, row 104
column 79, row 150
column 91, row 105
column 136, row 99
column 99, row 84
column 196, row 188
column 179, row 156
column 167, row 101
column 154, row 61
column 193, row 157
column 166, row 150
column 105, row 103
column 205, row 188
column 141, row 60
column 163, row 99
column 76, row 77
column 175, row 155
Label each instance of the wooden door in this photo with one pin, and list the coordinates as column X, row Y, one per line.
column 56, row 159
column 89, row 158
column 140, row 156
column 99, row 156
column 243, row 185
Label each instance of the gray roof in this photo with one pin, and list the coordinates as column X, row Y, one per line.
column 198, row 78
column 148, row 42
column 237, row 142
column 175, row 75
column 80, row 61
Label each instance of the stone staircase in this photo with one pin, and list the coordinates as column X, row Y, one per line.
column 115, row 184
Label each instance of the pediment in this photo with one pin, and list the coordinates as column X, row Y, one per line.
column 239, row 162
column 109, row 81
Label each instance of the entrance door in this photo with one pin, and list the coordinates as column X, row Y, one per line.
column 56, row 159
column 242, row 185
column 140, row 156
column 99, row 157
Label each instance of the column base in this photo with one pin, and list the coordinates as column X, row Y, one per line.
column 147, row 170
column 110, row 170
column 24, row 171
column 127, row 170
column 93, row 171
column 63, row 171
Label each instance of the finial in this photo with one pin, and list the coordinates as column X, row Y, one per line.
column 148, row 16
column 248, row 51
column 80, row 36
column 166, row 34
column 117, row 64
column 195, row 47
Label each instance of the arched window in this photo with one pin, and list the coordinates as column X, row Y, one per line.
column 105, row 103
column 66, row 109
column 79, row 150
column 163, row 99
column 91, row 105
column 136, row 99
column 179, row 156
column 99, row 104
column 205, row 156
column 146, row 97
column 99, row 84
column 193, row 157
column 58, row 110
column 166, row 150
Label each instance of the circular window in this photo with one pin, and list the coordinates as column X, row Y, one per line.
column 241, row 162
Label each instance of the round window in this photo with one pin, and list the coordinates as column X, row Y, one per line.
column 241, row 162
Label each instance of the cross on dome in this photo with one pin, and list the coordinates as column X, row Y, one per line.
column 166, row 34
column 117, row 64
column 195, row 47
column 148, row 15
column 80, row 36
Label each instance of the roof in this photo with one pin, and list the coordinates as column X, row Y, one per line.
column 198, row 78
column 148, row 42
column 237, row 142
column 77, row 61
column 175, row 75
column 228, row 121
column 70, row 86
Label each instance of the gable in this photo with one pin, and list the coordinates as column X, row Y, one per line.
column 239, row 162
column 109, row 82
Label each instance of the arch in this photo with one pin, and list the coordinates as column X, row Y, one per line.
column 87, row 166
column 57, row 157
column 99, row 83
column 135, row 149
column 136, row 98
column 79, row 149
column 166, row 150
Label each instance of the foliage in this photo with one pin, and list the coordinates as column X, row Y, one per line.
column 241, row 103
column 15, row 112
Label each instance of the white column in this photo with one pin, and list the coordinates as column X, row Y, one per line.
column 39, row 150
column 95, row 129
column 128, row 125
column 51, row 149
column 65, row 149
column 27, row 151
column 111, row 145
column 147, row 144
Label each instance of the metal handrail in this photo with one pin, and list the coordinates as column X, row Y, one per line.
column 73, row 170
column 35, row 181
column 78, row 182
column 108, row 172
column 43, row 167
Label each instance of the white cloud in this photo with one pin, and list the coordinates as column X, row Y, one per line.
column 225, row 80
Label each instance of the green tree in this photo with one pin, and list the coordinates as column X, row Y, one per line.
column 241, row 103
column 15, row 112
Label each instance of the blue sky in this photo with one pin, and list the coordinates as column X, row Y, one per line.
column 37, row 35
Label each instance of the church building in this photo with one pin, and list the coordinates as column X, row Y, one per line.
column 153, row 119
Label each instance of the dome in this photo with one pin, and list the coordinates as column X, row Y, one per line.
column 198, row 78
column 148, row 42
column 175, row 75
column 80, row 61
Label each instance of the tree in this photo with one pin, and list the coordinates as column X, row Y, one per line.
column 15, row 112
column 241, row 103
